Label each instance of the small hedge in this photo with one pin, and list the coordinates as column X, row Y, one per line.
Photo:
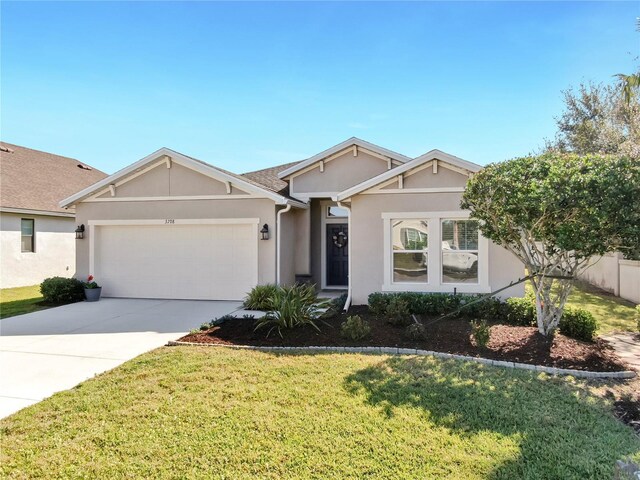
column 520, row 311
column 578, row 323
column 59, row 290
column 398, row 307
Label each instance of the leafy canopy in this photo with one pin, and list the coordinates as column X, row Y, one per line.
column 585, row 205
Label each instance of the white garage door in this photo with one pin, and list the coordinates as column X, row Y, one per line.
column 205, row 262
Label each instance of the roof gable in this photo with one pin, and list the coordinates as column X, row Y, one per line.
column 343, row 146
column 166, row 155
column 437, row 157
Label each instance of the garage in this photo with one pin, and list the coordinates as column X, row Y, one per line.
column 206, row 259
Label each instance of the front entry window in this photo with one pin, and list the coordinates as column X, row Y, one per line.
column 410, row 251
column 337, row 212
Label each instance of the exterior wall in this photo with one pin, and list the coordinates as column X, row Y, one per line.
column 263, row 209
column 339, row 174
column 174, row 181
column 54, row 255
column 614, row 274
column 288, row 237
column 302, row 241
column 425, row 178
column 367, row 241
column 316, row 247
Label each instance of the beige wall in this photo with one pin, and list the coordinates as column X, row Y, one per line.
column 174, row 181
column 315, row 245
column 54, row 254
column 264, row 209
column 288, row 241
column 425, row 178
column 339, row 174
column 302, row 241
column 367, row 240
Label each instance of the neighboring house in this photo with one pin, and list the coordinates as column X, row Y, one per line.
column 37, row 236
column 356, row 217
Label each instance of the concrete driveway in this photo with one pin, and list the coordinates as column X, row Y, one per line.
column 52, row 350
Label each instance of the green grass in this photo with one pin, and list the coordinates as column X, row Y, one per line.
column 612, row 313
column 16, row 301
column 198, row 412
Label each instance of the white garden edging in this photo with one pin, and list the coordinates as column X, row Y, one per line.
column 414, row 351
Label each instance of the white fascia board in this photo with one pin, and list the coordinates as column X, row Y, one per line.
column 43, row 213
column 451, row 159
column 416, row 162
column 342, row 146
column 183, row 160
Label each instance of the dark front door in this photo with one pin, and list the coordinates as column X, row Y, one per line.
column 337, row 255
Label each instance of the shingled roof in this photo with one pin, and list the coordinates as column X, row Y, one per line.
column 269, row 177
column 35, row 180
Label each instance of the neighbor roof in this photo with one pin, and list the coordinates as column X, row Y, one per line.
column 35, row 180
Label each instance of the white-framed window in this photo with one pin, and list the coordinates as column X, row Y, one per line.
column 334, row 211
column 434, row 252
column 410, row 255
column 459, row 250
column 27, row 235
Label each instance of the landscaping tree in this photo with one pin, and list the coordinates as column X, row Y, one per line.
column 598, row 119
column 553, row 212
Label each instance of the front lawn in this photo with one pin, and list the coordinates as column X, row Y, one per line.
column 612, row 313
column 16, row 301
column 186, row 412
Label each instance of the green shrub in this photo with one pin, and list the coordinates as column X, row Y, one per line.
column 378, row 303
column 489, row 308
column 481, row 333
column 291, row 307
column 355, row 328
column 638, row 316
column 62, row 290
column 397, row 312
column 416, row 331
column 578, row 323
column 520, row 311
column 338, row 303
column 259, row 298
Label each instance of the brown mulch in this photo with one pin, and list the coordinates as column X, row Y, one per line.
column 509, row 343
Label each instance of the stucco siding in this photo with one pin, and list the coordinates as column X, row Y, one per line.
column 54, row 250
column 174, row 181
column 316, row 248
column 425, row 178
column 263, row 209
column 367, row 237
column 339, row 174
column 288, row 236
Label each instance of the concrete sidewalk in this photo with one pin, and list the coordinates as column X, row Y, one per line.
column 52, row 350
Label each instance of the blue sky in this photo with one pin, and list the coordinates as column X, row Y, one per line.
column 250, row 85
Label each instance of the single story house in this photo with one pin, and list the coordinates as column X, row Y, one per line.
column 356, row 217
column 37, row 236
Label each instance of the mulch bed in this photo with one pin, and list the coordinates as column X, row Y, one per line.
column 509, row 343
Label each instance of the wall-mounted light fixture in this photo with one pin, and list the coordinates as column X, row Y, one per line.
column 80, row 232
column 264, row 233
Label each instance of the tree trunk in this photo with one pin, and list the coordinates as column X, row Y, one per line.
column 550, row 302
